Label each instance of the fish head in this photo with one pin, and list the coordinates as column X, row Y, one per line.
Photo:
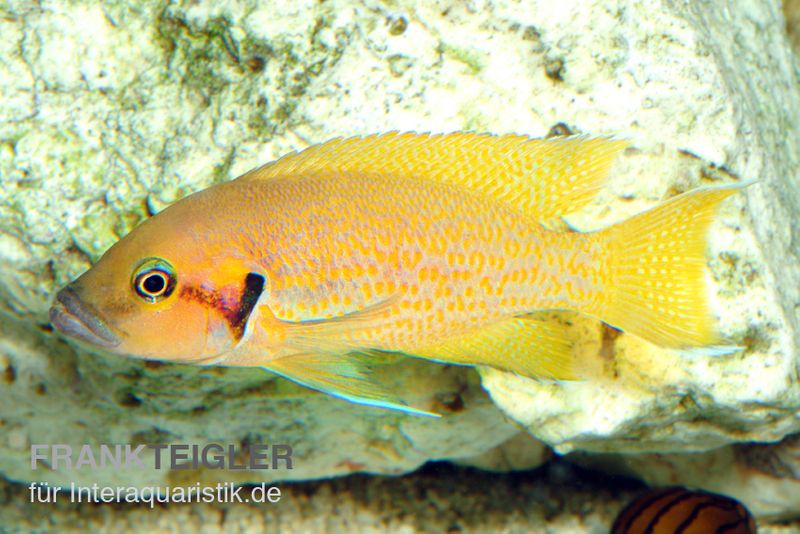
column 169, row 290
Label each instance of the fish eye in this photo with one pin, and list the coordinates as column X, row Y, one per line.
column 154, row 280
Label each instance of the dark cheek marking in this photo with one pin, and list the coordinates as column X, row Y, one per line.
column 253, row 287
column 209, row 299
column 234, row 309
column 203, row 296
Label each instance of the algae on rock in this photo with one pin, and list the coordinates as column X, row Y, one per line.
column 111, row 111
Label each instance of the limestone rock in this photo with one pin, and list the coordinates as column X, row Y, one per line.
column 111, row 111
column 519, row 453
column 764, row 476
column 730, row 125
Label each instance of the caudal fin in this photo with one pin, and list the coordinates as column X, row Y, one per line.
column 656, row 286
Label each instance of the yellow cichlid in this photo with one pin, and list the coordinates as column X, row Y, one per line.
column 317, row 265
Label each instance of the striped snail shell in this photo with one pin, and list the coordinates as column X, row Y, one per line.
column 682, row 511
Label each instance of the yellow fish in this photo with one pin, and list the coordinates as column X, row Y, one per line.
column 320, row 264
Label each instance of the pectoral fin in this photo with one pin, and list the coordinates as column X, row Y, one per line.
column 527, row 346
column 345, row 376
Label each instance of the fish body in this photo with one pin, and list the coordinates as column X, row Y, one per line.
column 431, row 246
column 434, row 263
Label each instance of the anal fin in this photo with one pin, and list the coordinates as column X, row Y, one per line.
column 528, row 346
column 346, row 376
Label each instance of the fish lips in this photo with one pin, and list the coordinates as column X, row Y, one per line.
column 70, row 316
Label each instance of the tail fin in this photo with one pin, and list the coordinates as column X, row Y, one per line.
column 656, row 277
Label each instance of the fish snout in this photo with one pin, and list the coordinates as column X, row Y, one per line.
column 73, row 318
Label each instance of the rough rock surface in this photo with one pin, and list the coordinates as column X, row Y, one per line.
column 110, row 111
column 765, row 476
column 733, row 113
column 114, row 112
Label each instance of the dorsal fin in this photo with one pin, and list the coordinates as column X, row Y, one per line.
column 545, row 178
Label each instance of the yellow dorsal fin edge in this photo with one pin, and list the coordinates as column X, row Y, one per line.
column 545, row 178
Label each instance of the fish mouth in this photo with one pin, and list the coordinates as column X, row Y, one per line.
column 70, row 316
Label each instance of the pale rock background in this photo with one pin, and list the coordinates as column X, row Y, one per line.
column 111, row 111
column 765, row 476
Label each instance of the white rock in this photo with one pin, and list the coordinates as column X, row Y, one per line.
column 107, row 111
column 766, row 477
column 714, row 98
